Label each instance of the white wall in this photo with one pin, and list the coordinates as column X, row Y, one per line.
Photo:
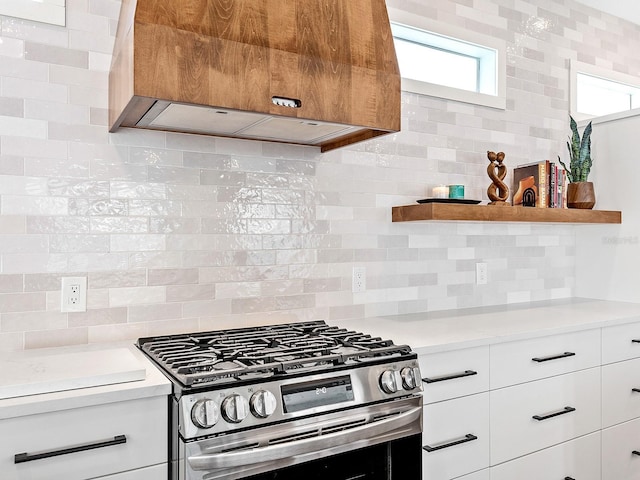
column 608, row 257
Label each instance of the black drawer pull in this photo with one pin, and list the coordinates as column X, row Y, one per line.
column 569, row 478
column 29, row 457
column 467, row 438
column 637, row 390
column 635, row 340
column 636, row 452
column 553, row 357
column 551, row 415
column 466, row 373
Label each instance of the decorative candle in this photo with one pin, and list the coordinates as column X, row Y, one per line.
column 441, row 191
column 456, row 191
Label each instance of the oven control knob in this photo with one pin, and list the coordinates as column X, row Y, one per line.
column 388, row 381
column 235, row 408
column 262, row 403
column 409, row 378
column 204, row 413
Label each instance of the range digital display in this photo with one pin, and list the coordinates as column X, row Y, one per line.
column 317, row 393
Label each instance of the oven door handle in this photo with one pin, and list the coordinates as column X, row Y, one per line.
column 365, row 435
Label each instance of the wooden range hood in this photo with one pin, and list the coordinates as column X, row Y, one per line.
column 310, row 72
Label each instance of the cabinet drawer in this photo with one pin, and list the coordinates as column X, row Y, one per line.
column 618, row 444
column 523, row 361
column 457, row 433
column 454, row 374
column 481, row 475
column 618, row 342
column 619, row 400
column 143, row 423
column 536, row 415
column 577, row 459
column 157, row 472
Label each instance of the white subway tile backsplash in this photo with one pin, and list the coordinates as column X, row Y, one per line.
column 99, row 62
column 181, row 232
column 11, row 284
column 137, row 243
column 207, row 308
column 116, row 225
column 154, row 208
column 22, row 127
column 147, row 313
column 188, row 293
column 56, row 337
column 173, row 276
column 22, row 302
column 119, row 297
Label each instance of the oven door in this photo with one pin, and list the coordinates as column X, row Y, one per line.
column 376, row 442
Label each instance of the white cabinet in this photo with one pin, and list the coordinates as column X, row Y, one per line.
column 621, row 342
column 527, row 360
column 456, row 414
column 620, row 392
column 561, row 407
column 536, row 415
column 455, row 437
column 157, row 472
column 126, row 436
column 454, row 374
column 481, row 475
column 621, row 402
column 621, row 451
column 577, row 459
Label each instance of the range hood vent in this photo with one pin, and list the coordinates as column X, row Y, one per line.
column 320, row 73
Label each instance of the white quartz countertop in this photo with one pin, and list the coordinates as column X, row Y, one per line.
column 46, row 380
column 441, row 331
column 92, row 380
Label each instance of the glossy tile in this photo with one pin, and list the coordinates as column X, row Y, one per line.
column 180, row 231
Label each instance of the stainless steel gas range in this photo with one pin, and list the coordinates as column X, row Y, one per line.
column 295, row 401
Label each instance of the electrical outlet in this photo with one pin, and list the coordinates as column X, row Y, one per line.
column 358, row 281
column 481, row 274
column 74, row 294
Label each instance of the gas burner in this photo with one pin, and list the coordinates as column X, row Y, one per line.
column 227, row 356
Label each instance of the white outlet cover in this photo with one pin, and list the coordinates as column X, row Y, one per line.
column 481, row 274
column 359, row 279
column 71, row 301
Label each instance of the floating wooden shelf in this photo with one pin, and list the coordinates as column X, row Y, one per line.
column 491, row 213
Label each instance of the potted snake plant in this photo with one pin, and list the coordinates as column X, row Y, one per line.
column 580, row 192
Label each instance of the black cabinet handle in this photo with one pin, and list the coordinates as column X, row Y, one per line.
column 635, row 340
column 636, row 452
column 637, row 390
column 467, row 438
column 553, row 357
column 569, row 478
column 466, row 373
column 551, row 415
column 29, row 457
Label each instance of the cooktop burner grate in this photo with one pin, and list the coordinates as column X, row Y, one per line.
column 226, row 356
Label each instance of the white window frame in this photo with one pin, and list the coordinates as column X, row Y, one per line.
column 592, row 70
column 438, row 28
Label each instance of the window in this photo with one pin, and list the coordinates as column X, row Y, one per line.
column 597, row 92
column 433, row 61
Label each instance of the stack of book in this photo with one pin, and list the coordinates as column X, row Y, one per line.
column 541, row 184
